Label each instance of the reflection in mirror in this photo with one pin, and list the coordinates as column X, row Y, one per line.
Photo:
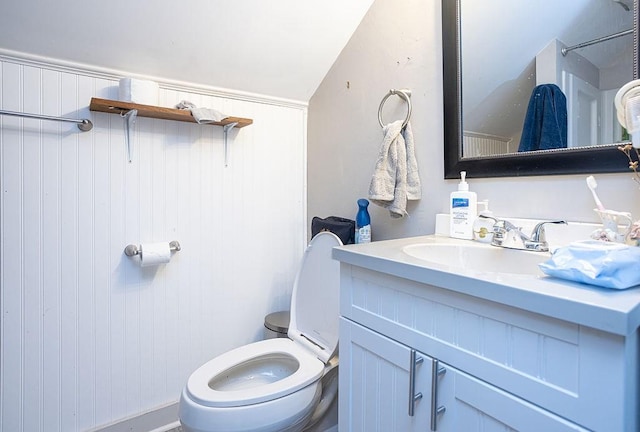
column 529, row 86
column 580, row 57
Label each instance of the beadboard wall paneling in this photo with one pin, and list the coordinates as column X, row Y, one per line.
column 89, row 337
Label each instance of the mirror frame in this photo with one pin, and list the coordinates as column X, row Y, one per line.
column 580, row 160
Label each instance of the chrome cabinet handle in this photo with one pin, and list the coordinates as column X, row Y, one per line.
column 436, row 371
column 414, row 360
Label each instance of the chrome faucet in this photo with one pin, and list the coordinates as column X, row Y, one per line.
column 507, row 235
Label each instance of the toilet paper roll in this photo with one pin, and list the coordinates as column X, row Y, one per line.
column 154, row 253
column 138, row 91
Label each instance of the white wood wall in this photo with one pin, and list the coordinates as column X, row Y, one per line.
column 89, row 337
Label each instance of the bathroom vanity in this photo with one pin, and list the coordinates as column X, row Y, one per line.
column 426, row 345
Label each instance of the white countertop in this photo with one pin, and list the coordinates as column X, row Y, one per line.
column 613, row 311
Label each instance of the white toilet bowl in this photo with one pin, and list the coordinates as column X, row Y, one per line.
column 274, row 384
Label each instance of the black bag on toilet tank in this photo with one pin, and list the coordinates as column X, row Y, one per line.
column 343, row 228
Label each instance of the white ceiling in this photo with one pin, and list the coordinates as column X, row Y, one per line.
column 280, row 48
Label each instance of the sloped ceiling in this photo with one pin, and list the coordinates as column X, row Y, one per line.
column 280, row 48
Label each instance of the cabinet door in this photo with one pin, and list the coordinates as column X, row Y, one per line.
column 379, row 385
column 472, row 405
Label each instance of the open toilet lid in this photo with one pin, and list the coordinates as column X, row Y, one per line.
column 315, row 301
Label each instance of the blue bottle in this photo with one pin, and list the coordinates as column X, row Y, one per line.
column 363, row 222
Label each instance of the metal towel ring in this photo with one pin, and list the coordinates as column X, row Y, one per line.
column 404, row 94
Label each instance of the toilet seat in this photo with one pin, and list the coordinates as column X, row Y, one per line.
column 309, row 370
column 315, row 300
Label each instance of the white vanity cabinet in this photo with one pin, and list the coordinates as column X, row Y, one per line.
column 389, row 384
column 487, row 366
column 380, row 392
column 473, row 405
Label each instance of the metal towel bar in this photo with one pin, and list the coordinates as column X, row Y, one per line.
column 83, row 124
column 404, row 94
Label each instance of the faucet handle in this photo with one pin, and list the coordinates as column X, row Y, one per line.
column 502, row 228
column 538, row 235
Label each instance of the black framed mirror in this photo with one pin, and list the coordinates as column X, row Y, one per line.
column 601, row 158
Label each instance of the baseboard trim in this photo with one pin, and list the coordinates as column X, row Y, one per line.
column 162, row 419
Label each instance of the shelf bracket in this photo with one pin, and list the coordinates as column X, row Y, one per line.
column 225, row 130
column 129, row 121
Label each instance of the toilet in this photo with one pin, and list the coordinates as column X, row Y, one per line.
column 276, row 384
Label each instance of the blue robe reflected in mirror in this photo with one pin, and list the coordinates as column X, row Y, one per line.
column 545, row 125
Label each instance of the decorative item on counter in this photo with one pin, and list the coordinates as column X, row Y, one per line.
column 633, row 238
column 616, row 226
column 363, row 222
column 483, row 225
column 633, row 164
column 627, row 103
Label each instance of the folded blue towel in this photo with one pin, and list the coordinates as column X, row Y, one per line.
column 545, row 125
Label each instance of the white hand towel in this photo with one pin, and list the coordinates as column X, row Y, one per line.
column 414, row 188
column 395, row 178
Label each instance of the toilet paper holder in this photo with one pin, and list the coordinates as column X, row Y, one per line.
column 133, row 250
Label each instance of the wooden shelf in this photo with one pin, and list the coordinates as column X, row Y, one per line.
column 118, row 107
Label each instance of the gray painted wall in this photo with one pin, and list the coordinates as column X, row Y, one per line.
column 398, row 44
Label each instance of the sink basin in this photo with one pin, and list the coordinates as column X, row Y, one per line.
column 479, row 257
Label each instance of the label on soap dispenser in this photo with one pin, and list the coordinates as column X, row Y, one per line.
column 463, row 213
column 460, row 203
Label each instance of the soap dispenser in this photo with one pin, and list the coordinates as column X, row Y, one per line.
column 483, row 226
column 463, row 210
